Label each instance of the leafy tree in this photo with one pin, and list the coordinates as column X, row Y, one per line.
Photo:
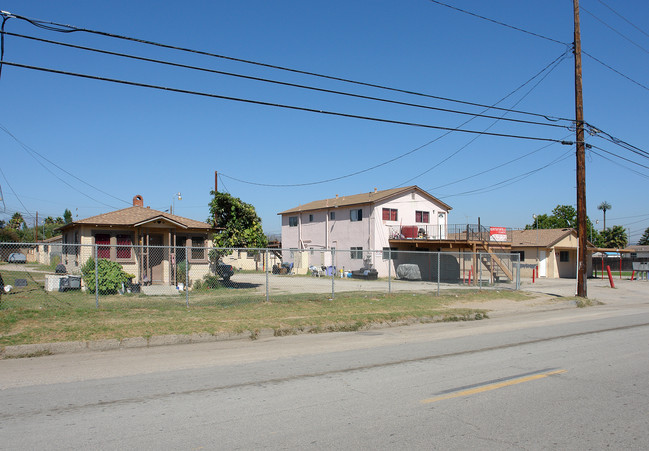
column 614, row 237
column 49, row 220
column 2, row 224
column 236, row 222
column 563, row 216
column 644, row 239
column 9, row 235
column 604, row 206
column 17, row 221
column 67, row 216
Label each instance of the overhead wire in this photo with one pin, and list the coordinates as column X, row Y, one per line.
column 618, row 164
column 614, row 29
column 70, row 28
column 547, row 38
column 271, row 104
column 508, row 181
column 614, row 70
column 553, row 65
column 399, row 156
column 625, row 19
column 278, row 82
column 15, row 194
column 30, row 151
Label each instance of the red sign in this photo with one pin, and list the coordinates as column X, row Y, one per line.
column 498, row 233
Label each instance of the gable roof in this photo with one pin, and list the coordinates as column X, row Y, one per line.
column 540, row 238
column 136, row 216
column 362, row 199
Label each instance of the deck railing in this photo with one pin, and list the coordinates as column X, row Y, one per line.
column 463, row 232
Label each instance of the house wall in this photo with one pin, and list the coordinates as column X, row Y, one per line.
column 74, row 257
column 371, row 233
column 531, row 261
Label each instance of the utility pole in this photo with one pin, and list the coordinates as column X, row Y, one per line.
column 581, row 162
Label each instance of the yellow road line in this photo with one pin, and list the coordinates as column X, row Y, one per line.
column 489, row 387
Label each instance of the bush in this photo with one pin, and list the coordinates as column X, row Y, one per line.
column 110, row 276
column 181, row 272
column 212, row 281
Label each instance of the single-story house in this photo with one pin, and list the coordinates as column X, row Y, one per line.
column 553, row 251
column 50, row 249
column 147, row 243
column 359, row 223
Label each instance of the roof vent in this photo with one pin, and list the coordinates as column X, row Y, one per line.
column 375, row 190
column 138, row 201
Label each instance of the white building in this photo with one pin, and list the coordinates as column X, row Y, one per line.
column 353, row 225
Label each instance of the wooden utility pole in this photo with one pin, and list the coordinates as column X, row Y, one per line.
column 581, row 162
column 216, row 181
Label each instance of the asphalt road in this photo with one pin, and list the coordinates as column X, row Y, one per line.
column 561, row 379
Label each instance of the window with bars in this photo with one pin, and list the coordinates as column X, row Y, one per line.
column 102, row 240
column 124, row 243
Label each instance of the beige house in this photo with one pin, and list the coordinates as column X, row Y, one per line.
column 49, row 249
column 553, row 251
column 148, row 243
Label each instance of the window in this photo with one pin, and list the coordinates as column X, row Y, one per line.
column 564, row 256
column 356, row 253
column 356, row 215
column 292, row 221
column 422, row 216
column 310, row 218
column 521, row 255
column 102, row 240
column 332, row 215
column 390, row 214
column 124, row 243
column 390, row 253
column 198, row 248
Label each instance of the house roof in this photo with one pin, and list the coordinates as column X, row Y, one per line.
column 137, row 216
column 539, row 238
column 361, row 199
column 638, row 248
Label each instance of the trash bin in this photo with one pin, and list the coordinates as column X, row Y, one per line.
column 331, row 270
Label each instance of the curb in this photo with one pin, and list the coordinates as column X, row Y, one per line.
column 114, row 344
column 70, row 347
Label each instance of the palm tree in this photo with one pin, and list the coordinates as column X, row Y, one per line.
column 604, row 206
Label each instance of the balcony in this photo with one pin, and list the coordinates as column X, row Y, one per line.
column 450, row 232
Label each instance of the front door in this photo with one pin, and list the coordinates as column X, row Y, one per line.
column 543, row 264
column 156, row 259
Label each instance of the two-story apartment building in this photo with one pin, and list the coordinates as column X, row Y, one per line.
column 353, row 225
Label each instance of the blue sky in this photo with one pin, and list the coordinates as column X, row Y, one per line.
column 118, row 141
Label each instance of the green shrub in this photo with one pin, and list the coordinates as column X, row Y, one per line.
column 212, row 281
column 110, row 275
column 181, row 271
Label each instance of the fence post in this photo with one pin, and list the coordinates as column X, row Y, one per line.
column 438, row 272
column 480, row 270
column 389, row 270
column 333, row 273
column 186, row 275
column 266, row 268
column 518, row 272
column 96, row 278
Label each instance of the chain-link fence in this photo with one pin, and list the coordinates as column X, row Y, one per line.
column 108, row 273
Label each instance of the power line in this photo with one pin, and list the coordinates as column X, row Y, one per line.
column 620, row 157
column 271, row 104
column 15, row 194
column 493, row 168
column 499, row 23
column 52, row 26
column 552, row 66
column 614, row 30
column 282, row 83
column 624, row 18
column 615, row 70
column 29, row 151
column 508, row 181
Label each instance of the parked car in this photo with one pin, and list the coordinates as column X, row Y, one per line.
column 223, row 270
column 17, row 257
